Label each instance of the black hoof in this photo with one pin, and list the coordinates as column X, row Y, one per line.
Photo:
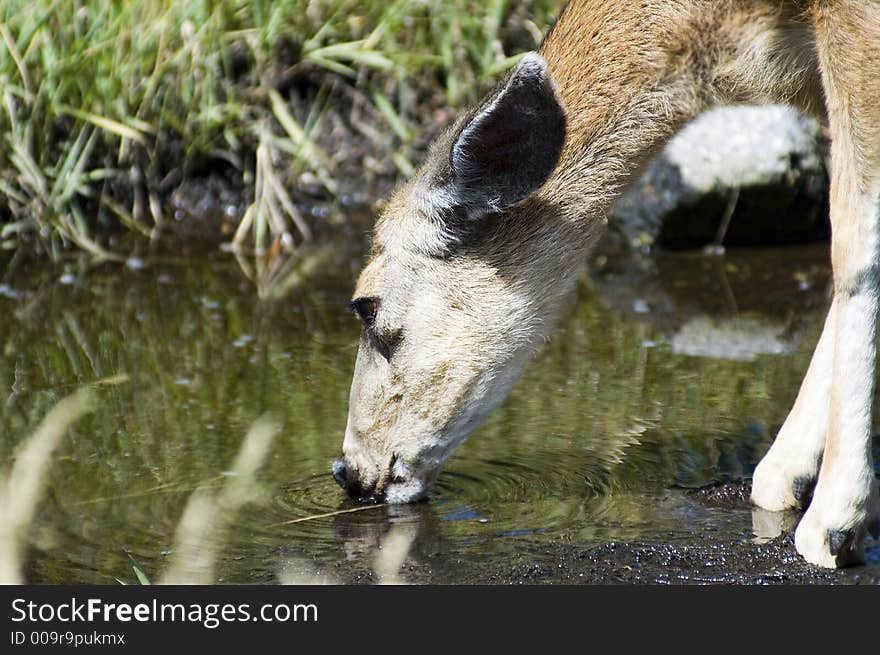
column 838, row 540
column 802, row 489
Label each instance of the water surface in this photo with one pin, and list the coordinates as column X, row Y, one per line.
column 669, row 374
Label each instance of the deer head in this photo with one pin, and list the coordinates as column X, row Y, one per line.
column 458, row 290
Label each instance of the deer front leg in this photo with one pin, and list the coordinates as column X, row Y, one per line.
column 845, row 502
column 786, row 475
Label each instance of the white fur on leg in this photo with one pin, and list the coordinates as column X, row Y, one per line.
column 832, row 532
column 845, row 501
column 783, row 477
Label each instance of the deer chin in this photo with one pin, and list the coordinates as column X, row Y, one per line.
column 406, row 485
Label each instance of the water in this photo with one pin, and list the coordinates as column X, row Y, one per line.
column 670, row 374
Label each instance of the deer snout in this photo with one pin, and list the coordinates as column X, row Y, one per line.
column 352, row 483
column 340, row 473
column 397, row 485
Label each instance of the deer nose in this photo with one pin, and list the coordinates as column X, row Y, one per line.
column 348, row 479
column 340, row 473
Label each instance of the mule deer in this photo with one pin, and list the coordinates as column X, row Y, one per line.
column 472, row 257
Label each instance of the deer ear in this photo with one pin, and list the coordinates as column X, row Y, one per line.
column 510, row 145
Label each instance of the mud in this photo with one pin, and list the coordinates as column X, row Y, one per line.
column 742, row 559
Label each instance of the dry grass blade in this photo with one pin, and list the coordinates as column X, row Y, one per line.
column 108, row 124
column 267, row 214
column 21, row 488
column 304, row 147
column 207, row 517
column 353, row 51
column 9, row 41
column 325, row 515
column 30, row 176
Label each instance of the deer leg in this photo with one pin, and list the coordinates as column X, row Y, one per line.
column 845, row 501
column 785, row 476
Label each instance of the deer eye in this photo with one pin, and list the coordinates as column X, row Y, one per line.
column 366, row 309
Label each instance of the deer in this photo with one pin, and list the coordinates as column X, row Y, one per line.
column 471, row 258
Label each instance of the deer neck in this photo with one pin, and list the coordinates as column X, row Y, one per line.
column 625, row 93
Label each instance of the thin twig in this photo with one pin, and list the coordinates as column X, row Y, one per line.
column 327, row 515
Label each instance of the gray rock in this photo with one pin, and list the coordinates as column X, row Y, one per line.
column 761, row 169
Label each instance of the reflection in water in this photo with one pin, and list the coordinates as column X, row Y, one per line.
column 768, row 525
column 621, row 414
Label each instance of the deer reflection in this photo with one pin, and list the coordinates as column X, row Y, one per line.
column 389, row 538
column 767, row 525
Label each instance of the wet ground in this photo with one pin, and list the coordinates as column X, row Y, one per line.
column 713, row 554
column 622, row 456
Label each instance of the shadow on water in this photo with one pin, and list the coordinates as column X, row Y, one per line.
column 619, row 457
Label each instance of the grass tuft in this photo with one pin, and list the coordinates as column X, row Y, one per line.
column 105, row 104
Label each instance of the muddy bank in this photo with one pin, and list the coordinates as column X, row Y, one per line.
column 708, row 562
column 736, row 176
column 728, row 553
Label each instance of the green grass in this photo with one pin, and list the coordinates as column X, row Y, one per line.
column 102, row 103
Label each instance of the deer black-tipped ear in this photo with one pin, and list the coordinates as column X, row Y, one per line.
column 507, row 148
